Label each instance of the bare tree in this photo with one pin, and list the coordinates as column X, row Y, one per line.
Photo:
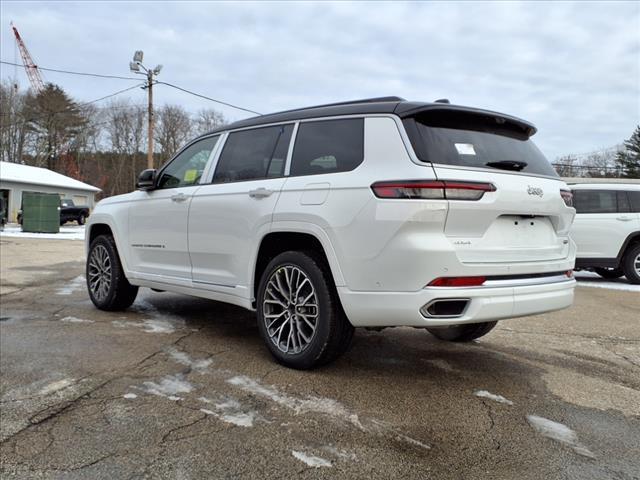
column 14, row 133
column 208, row 119
column 567, row 166
column 173, row 129
column 126, row 137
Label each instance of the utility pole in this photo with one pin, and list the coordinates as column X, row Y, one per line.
column 135, row 67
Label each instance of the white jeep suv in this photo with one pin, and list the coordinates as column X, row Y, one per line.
column 372, row 213
column 607, row 229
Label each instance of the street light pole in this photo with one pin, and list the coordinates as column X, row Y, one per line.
column 135, row 67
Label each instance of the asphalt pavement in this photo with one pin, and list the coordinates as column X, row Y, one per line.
column 180, row 387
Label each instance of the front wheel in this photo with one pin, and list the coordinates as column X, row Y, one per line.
column 82, row 219
column 462, row 333
column 299, row 313
column 631, row 264
column 108, row 287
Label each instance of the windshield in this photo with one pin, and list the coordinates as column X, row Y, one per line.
column 476, row 141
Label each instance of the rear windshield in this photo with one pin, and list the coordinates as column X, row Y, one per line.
column 474, row 140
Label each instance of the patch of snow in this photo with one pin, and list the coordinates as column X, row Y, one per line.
column 231, row 411
column 320, row 405
column 413, row 441
column 149, row 326
column 75, row 320
column 592, row 279
column 158, row 326
column 558, row 432
column 168, row 387
column 72, row 232
column 311, row 460
column 72, row 286
column 55, row 386
column 240, row 419
column 326, row 406
column 611, row 286
column 130, row 396
column 339, row 453
column 492, row 396
column 184, row 359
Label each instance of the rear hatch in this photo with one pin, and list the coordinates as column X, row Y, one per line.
column 524, row 218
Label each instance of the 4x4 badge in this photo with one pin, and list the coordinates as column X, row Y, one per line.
column 534, row 191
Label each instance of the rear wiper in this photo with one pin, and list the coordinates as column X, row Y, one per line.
column 507, row 165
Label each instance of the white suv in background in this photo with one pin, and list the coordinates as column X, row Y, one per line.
column 372, row 213
column 607, row 229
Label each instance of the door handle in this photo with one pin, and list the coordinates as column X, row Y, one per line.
column 260, row 193
column 179, row 197
column 624, row 218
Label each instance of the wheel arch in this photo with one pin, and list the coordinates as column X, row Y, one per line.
column 283, row 239
column 103, row 226
column 632, row 239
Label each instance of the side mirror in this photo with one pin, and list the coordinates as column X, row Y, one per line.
column 147, row 179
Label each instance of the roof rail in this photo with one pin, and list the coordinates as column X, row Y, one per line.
column 350, row 102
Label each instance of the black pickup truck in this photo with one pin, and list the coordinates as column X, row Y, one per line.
column 68, row 212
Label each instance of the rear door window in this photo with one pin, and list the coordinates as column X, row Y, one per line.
column 328, row 146
column 634, row 200
column 254, row 154
column 473, row 140
column 595, row 201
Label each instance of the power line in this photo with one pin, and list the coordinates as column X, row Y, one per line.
column 209, row 98
column 85, row 74
column 98, row 75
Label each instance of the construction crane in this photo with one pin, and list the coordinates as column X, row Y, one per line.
column 35, row 78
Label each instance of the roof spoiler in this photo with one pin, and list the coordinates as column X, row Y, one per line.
column 523, row 128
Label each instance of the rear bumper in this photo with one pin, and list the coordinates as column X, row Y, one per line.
column 395, row 309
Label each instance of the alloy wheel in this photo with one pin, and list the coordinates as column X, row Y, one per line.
column 290, row 309
column 99, row 273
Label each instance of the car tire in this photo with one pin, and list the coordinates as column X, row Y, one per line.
column 306, row 329
column 631, row 264
column 462, row 333
column 108, row 287
column 81, row 219
column 609, row 273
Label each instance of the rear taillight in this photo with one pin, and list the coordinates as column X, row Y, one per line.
column 569, row 273
column 567, row 196
column 432, row 189
column 457, row 282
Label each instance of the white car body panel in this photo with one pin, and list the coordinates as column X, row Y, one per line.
column 382, row 253
column 602, row 235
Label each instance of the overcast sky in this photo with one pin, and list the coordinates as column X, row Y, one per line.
column 571, row 68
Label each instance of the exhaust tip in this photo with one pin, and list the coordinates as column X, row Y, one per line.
column 445, row 307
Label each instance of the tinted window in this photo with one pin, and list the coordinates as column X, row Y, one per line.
column 595, row 201
column 186, row 169
column 623, row 202
column 254, row 154
column 634, row 199
column 328, row 146
column 473, row 140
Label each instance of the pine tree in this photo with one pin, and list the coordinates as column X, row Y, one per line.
column 628, row 160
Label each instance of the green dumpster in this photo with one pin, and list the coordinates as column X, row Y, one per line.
column 40, row 212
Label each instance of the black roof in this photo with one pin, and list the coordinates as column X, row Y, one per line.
column 396, row 105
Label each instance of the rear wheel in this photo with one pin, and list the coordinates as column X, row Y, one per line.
column 82, row 219
column 108, row 287
column 462, row 333
column 609, row 273
column 299, row 313
column 631, row 264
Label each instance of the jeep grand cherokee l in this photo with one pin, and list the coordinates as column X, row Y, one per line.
column 371, row 213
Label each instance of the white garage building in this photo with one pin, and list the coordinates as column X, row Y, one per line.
column 16, row 178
